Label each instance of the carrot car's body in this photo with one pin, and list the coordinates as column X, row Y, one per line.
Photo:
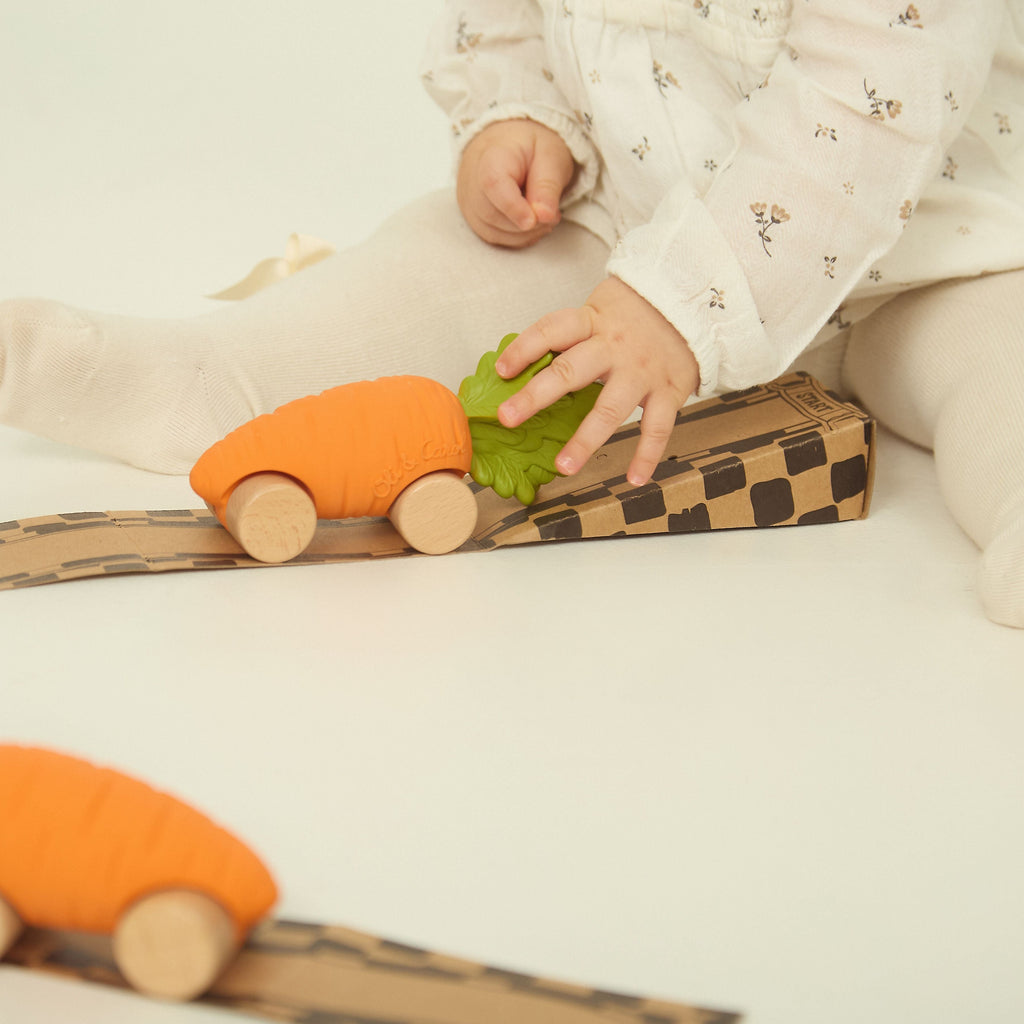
column 82, row 844
column 354, row 448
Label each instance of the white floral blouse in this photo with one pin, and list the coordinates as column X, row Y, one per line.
column 758, row 168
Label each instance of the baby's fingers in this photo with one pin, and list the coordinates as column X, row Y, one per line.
column 656, row 426
column 555, row 332
column 611, row 410
column 512, row 210
column 550, row 172
column 570, row 371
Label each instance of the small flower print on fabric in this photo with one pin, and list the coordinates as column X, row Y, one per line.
column 466, row 41
column 766, row 221
column 641, row 149
column 585, row 120
column 836, row 319
column 963, row 230
column 1003, row 123
column 758, row 16
column 906, row 211
column 710, row 165
column 880, row 107
column 595, row 76
column 717, row 298
column 824, row 132
column 830, row 266
column 848, row 187
column 875, row 275
column 951, row 100
column 949, row 171
column 663, row 79
column 911, row 18
column 703, row 9
column 763, row 84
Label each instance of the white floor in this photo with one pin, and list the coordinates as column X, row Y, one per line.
column 775, row 771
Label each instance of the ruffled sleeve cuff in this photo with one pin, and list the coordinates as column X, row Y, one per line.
column 681, row 264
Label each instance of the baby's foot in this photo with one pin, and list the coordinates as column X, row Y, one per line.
column 1001, row 575
column 123, row 386
column 47, row 351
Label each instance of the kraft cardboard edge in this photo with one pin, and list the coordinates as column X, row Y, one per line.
column 871, row 439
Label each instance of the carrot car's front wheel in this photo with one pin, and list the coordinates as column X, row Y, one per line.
column 436, row 513
column 174, row 944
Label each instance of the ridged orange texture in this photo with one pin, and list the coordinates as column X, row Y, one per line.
column 354, row 447
column 81, row 843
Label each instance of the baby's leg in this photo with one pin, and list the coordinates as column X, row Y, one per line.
column 944, row 367
column 423, row 295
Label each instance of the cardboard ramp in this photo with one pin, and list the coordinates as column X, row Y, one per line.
column 319, row 974
column 782, row 454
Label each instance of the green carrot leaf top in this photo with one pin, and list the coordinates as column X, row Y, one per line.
column 516, row 461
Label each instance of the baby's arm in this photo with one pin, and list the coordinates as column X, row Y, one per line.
column 833, row 151
column 520, row 148
column 750, row 271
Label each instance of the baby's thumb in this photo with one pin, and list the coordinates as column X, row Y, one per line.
column 549, row 174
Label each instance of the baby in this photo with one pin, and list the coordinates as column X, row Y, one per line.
column 678, row 197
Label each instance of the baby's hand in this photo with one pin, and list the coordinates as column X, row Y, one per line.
column 618, row 338
column 510, row 182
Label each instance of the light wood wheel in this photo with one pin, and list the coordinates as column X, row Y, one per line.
column 10, row 926
column 174, row 944
column 272, row 516
column 436, row 513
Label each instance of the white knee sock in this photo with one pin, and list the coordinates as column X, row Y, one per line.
column 423, row 295
column 944, row 367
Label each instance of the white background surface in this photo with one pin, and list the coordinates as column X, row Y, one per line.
column 774, row 771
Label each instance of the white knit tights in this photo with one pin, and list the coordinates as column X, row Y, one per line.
column 423, row 295
column 944, row 367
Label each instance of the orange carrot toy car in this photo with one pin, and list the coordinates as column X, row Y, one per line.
column 397, row 446
column 89, row 849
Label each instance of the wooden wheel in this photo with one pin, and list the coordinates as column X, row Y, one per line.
column 272, row 516
column 436, row 513
column 10, row 926
column 174, row 944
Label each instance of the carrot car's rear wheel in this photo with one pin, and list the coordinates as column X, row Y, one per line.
column 10, row 926
column 436, row 513
column 174, row 944
column 272, row 516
